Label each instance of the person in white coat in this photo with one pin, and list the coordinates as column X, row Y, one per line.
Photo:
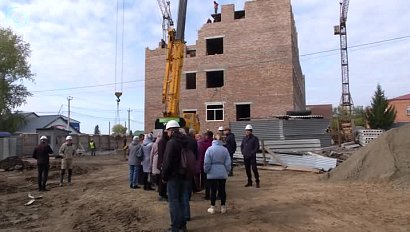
column 146, row 162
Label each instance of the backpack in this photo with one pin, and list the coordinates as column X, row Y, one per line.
column 187, row 163
column 139, row 152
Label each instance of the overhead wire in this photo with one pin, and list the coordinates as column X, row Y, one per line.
column 303, row 55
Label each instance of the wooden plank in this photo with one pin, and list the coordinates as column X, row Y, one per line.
column 302, row 169
column 272, row 168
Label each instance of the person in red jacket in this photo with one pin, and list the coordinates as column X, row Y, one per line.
column 42, row 154
column 202, row 146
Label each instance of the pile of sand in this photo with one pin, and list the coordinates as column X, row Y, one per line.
column 387, row 159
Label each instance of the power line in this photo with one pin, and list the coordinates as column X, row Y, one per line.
column 358, row 45
column 303, row 55
column 82, row 87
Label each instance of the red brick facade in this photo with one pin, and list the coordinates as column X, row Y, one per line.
column 260, row 62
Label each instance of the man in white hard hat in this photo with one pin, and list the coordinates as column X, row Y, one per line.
column 42, row 154
column 67, row 152
column 249, row 148
column 178, row 184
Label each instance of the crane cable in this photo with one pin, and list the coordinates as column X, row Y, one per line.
column 118, row 93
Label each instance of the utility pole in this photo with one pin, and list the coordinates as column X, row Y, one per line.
column 109, row 127
column 68, row 122
column 129, row 121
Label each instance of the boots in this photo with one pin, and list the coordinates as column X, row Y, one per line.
column 257, row 185
column 248, row 184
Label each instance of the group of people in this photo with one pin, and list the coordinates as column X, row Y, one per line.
column 167, row 160
column 178, row 162
column 42, row 153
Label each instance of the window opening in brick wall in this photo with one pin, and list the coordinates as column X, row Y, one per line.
column 215, row 112
column 243, row 112
column 240, row 14
column 190, row 80
column 215, row 79
column 190, row 53
column 215, row 46
column 408, row 110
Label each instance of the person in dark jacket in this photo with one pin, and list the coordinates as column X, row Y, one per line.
column 42, row 154
column 202, row 146
column 135, row 157
column 162, row 186
column 230, row 144
column 177, row 183
column 249, row 147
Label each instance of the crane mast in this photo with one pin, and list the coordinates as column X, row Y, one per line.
column 346, row 101
column 174, row 61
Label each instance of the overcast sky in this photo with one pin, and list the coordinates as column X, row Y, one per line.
column 73, row 45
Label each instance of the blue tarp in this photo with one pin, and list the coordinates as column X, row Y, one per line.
column 4, row 134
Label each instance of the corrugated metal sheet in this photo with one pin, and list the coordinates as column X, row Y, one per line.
column 264, row 129
column 306, row 160
column 305, row 127
column 293, row 145
column 278, row 129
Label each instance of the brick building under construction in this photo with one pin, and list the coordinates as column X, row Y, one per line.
column 244, row 66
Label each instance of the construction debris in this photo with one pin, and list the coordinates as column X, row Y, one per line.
column 366, row 136
column 32, row 199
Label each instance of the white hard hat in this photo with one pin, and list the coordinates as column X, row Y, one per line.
column 249, row 127
column 69, row 138
column 172, row 124
column 135, row 138
column 43, row 137
column 221, row 128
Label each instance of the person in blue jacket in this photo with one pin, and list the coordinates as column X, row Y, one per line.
column 217, row 165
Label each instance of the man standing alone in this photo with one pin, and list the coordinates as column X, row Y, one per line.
column 249, row 147
column 67, row 152
column 93, row 147
column 41, row 154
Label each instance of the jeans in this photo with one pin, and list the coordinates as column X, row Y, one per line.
column 187, row 198
column 218, row 185
column 134, row 172
column 177, row 193
column 42, row 175
column 251, row 162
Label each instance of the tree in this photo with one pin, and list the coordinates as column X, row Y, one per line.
column 97, row 130
column 119, row 129
column 380, row 115
column 14, row 68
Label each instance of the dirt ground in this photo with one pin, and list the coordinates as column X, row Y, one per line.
column 101, row 200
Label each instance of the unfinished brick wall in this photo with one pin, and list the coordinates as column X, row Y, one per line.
column 260, row 61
